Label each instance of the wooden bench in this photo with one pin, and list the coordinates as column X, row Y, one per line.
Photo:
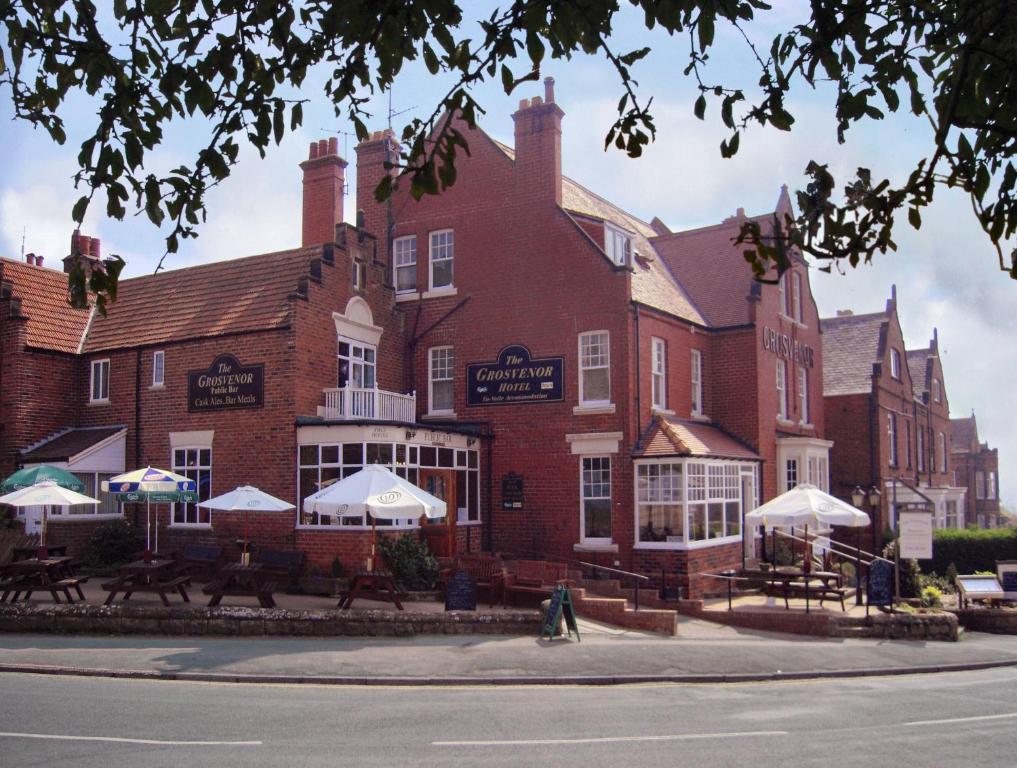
column 220, row 588
column 819, row 592
column 534, row 577
column 486, row 571
column 128, row 587
column 63, row 585
column 286, row 563
column 200, row 558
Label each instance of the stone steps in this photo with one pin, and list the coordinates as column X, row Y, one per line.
column 617, row 611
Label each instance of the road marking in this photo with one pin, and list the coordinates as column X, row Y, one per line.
column 118, row 740
column 1007, row 716
column 609, row 739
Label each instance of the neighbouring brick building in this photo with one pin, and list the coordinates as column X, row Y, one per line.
column 580, row 383
column 888, row 415
column 976, row 468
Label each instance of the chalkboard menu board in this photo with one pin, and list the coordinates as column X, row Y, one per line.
column 461, row 592
column 558, row 607
column 879, row 589
column 512, row 491
column 1009, row 581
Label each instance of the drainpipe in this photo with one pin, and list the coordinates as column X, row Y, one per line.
column 137, row 416
column 639, row 412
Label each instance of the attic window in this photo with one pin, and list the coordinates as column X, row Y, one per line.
column 617, row 245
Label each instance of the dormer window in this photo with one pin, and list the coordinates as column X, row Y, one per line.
column 617, row 245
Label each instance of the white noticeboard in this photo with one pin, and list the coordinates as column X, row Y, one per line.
column 915, row 535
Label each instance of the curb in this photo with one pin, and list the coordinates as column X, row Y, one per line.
column 516, row 680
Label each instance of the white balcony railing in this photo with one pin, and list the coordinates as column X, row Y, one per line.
column 350, row 403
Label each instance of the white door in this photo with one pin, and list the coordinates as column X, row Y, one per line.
column 33, row 519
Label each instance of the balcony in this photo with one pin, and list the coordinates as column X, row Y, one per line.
column 352, row 404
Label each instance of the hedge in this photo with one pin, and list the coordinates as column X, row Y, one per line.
column 970, row 550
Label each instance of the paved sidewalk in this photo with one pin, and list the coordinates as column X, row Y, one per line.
column 702, row 652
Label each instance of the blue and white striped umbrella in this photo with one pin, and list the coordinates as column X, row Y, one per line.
column 148, row 485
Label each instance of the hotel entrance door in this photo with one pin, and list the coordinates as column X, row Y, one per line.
column 440, row 535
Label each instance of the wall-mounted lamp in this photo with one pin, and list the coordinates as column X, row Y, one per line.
column 410, row 434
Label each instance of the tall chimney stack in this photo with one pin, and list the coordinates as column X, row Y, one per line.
column 538, row 144
column 379, row 148
column 324, row 180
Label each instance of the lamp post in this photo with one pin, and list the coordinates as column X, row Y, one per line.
column 858, row 498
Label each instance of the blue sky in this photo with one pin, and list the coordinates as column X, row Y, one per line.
column 946, row 273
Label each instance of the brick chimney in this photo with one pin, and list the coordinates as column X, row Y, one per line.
column 538, row 145
column 372, row 154
column 324, row 179
column 86, row 249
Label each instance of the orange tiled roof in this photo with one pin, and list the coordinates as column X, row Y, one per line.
column 207, row 300
column 678, row 437
column 51, row 322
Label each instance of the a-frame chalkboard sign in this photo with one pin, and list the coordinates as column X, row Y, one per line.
column 560, row 605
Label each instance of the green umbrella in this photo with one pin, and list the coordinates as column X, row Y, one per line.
column 29, row 476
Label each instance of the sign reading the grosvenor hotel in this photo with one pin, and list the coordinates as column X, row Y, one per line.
column 226, row 384
column 783, row 345
column 515, row 377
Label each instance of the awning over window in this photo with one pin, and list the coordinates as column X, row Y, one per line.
column 88, row 448
column 679, row 437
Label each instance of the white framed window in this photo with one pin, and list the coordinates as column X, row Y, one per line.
column 617, row 245
column 796, row 296
column 942, row 452
column 99, row 381
column 442, row 252
column 921, row 449
column 697, row 383
column 658, row 373
column 979, row 485
column 782, row 294
column 791, row 473
column 595, row 489
column 907, row 442
column 990, row 485
column 158, row 368
column 595, row 367
column 404, row 262
column 359, row 275
column 803, row 395
column 440, row 367
column 891, row 431
column 950, row 514
column 895, row 364
column 357, row 365
column 782, row 389
column 93, row 481
column 196, row 464
column 937, row 393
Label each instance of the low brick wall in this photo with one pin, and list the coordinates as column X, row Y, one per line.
column 763, row 621
column 998, row 621
column 241, row 621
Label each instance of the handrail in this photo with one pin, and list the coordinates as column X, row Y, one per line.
column 835, row 543
column 614, row 570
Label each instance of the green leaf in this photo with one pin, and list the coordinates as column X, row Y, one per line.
column 78, row 212
column 700, row 108
column 915, row 217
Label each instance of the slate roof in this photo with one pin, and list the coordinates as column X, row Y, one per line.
column 70, row 443
column 51, row 323
column 917, row 366
column 680, row 437
column 207, row 300
column 850, row 347
column 963, row 433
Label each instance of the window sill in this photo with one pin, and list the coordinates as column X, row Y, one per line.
column 408, row 296
column 205, row 526
column 98, row 403
column 658, row 411
column 592, row 410
column 593, row 547
column 82, row 518
column 435, row 293
column 686, row 545
column 785, row 422
column 806, row 425
column 157, row 387
column 438, row 416
column 699, row 417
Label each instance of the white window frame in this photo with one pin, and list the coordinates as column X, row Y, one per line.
column 603, row 362
column 159, row 368
column 583, row 498
column 894, row 364
column 782, row 400
column 937, row 390
column 980, row 485
column 617, row 245
column 433, row 371
column 404, row 260
column 359, row 275
column 441, row 252
column 891, row 431
column 696, row 407
column 658, row 373
column 803, row 395
column 355, row 362
column 907, row 443
column 182, row 470
column 990, row 485
column 93, row 480
column 782, row 293
column 920, row 435
column 942, row 452
column 99, row 376
column 796, row 296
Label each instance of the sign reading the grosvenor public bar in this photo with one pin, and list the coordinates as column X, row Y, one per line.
column 782, row 345
column 226, row 384
column 515, row 378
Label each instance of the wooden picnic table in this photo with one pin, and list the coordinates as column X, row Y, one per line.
column 375, row 584
column 240, row 580
column 28, row 552
column 157, row 576
column 791, row 581
column 50, row 574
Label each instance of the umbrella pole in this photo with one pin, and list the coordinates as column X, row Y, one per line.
column 156, row 527
column 246, row 557
column 148, row 524
column 374, row 535
column 807, row 563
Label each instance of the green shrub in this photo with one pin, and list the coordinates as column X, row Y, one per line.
column 910, row 573
column 943, row 583
column 971, row 550
column 932, row 597
column 337, row 568
column 410, row 561
column 113, row 542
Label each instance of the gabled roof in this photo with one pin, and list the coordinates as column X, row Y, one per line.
column 51, row 323
column 918, row 360
column 68, row 444
column 680, row 437
column 963, row 433
column 223, row 297
column 850, row 347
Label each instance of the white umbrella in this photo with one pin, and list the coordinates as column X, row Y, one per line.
column 375, row 491
column 151, row 484
column 45, row 494
column 246, row 499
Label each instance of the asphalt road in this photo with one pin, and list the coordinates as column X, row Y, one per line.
column 952, row 719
